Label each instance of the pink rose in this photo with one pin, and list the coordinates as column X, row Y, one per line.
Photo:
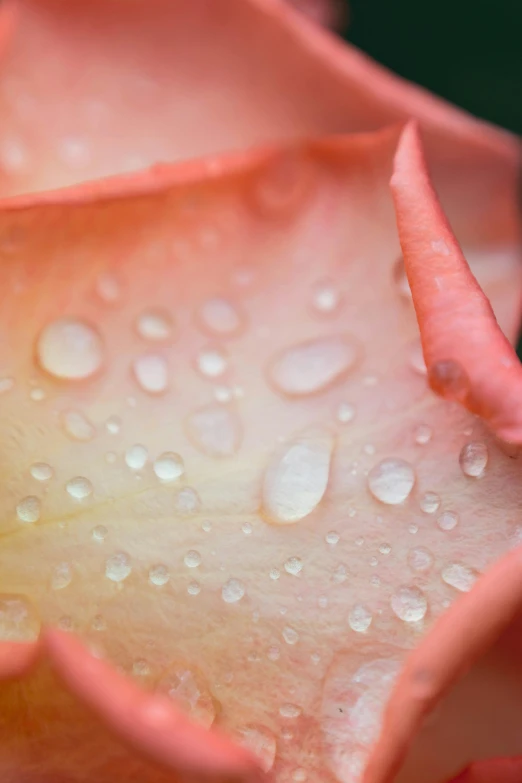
column 241, row 537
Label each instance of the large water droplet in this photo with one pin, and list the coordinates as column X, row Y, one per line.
column 420, row 559
column 154, row 325
column 409, row 603
column 70, row 349
column 232, row 591
column 118, row 567
column 313, row 366
column 220, row 317
column 151, row 372
column 41, row 471
column 215, row 430
column 360, row 618
column 136, row 457
column 77, row 426
column 169, row 466
column 19, row 621
column 391, row 480
column 260, row 742
column 28, row 510
column 62, row 576
column 79, row 488
column 294, row 565
column 459, row 576
column 290, row 711
column 192, row 558
column 212, row 362
column 159, row 575
column 189, row 689
column 297, row 477
column 473, row 459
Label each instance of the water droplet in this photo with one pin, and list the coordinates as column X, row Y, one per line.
column 297, row 477
column 41, row 471
column 212, row 362
column 247, row 528
column 391, row 480
column 401, row 280
column 141, row 668
column 136, row 457
column 429, row 502
column 290, row 635
column 325, row 297
column 232, row 591
column 473, row 459
column 449, row 380
column 409, row 604
column 151, row 373
column 98, row 623
column 332, row 538
column 423, row 434
column 118, row 567
column 6, row 384
column 260, row 742
column 193, row 588
column 290, row 711
column 215, row 430
column 340, row 574
column 459, row 576
column 187, row 501
column 345, row 413
column 192, row 558
column 169, row 466
column 273, row 653
column 113, row 425
column 62, row 576
column 159, row 575
column 206, row 525
column 360, row 619
column 283, row 184
column 420, row 559
column 220, row 317
column 448, row 520
column 313, row 366
column 65, row 623
column 77, row 426
column 100, row 533
column 189, row 689
column 274, row 574
column 154, row 325
column 294, row 565
column 37, row 394
column 70, row 349
column 299, row 775
column 19, row 621
column 385, row 549
column 79, row 488
column 416, row 359
column 108, row 288
column 28, row 510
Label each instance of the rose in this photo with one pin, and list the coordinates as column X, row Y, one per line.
column 186, row 287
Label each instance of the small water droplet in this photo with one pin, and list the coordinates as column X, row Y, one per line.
column 448, row 520
column 212, row 362
column 193, row 588
column 108, row 288
column 294, row 565
column 325, row 297
column 98, row 623
column 273, row 653
column 136, row 457
column 429, row 502
column 423, row 434
column 275, row 574
column 154, row 325
column 409, row 604
column 192, row 558
column 473, row 459
column 187, row 501
column 299, row 775
column 449, row 380
column 459, row 576
column 28, row 510
column 189, row 689
column 247, row 528
column 360, row 619
column 79, row 488
column 118, row 567
column 313, row 366
column 290, row 635
column 215, row 430
column 169, row 466
column 141, row 668
column 113, row 425
column 62, row 576
column 220, row 317
column 41, row 471
column 206, row 525
column 65, row 623
column 159, row 575
column 385, row 549
column 70, row 349
column 6, row 384
column 340, row 574
column 391, row 480
column 37, row 394
column 232, row 591
column 332, row 538
column 283, row 184
column 290, row 711
column 420, row 559
column 100, row 533
column 151, row 373
column 345, row 413
column 297, row 477
column 77, row 426
column 260, row 742
column 19, row 621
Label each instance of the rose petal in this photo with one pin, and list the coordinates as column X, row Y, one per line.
column 492, row 771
